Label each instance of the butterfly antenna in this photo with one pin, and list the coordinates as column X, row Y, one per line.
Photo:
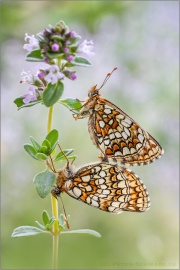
column 65, row 216
column 51, row 165
column 107, row 77
column 64, row 154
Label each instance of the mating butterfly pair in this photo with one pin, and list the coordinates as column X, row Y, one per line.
column 120, row 139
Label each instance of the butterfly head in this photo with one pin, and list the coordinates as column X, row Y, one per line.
column 93, row 92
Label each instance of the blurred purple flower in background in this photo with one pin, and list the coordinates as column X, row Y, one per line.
column 32, row 44
column 30, row 96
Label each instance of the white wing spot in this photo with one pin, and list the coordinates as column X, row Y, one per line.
column 127, row 131
column 132, row 150
column 88, row 188
column 102, row 173
column 140, row 130
column 101, row 123
column 141, row 138
column 77, row 192
column 128, row 121
column 118, row 135
column 125, row 124
column 138, row 146
column 94, row 203
column 106, row 142
column 124, row 135
column 110, row 122
column 111, row 136
column 126, row 151
column 86, row 178
column 115, row 204
column 107, row 111
column 121, row 184
column 106, row 192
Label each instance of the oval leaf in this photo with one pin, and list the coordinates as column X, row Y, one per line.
column 34, row 56
column 30, row 150
column 44, row 182
column 41, row 156
column 47, row 144
column 52, row 93
column 45, row 217
column 83, row 231
column 20, row 104
column 26, row 231
column 72, row 104
column 81, row 61
column 35, row 144
column 52, row 137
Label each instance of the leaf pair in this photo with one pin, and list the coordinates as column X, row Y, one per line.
column 47, row 227
column 35, row 56
column 41, row 152
column 45, row 180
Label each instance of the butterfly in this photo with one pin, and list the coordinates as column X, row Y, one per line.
column 104, row 186
column 116, row 134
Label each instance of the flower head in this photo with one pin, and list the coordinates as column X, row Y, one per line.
column 30, row 96
column 28, row 77
column 53, row 74
column 55, row 47
column 70, row 58
column 73, row 76
column 32, row 44
column 86, row 47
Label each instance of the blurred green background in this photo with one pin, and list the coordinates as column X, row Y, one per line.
column 141, row 39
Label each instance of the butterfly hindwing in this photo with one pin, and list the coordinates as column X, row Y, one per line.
column 109, row 188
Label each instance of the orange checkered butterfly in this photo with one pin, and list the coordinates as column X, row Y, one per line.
column 104, row 186
column 117, row 135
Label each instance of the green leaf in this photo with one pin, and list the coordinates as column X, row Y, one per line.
column 62, row 155
column 41, row 156
column 81, row 61
column 49, row 226
column 40, row 225
column 56, row 37
column 45, row 217
column 40, row 37
column 53, row 55
column 26, row 231
column 34, row 56
column 83, row 231
column 31, row 151
column 52, row 137
column 72, row 104
column 52, row 93
column 35, row 144
column 47, row 144
column 20, row 104
column 44, row 182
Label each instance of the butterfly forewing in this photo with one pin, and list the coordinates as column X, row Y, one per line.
column 107, row 187
column 117, row 135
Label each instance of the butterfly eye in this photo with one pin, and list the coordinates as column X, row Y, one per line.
column 96, row 92
column 85, row 113
column 56, row 192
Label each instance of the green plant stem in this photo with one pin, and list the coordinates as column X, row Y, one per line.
column 56, row 232
column 54, row 204
column 55, row 252
column 50, row 116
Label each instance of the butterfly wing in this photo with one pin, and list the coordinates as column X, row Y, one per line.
column 109, row 188
column 119, row 137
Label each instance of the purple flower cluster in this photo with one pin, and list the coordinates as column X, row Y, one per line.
column 59, row 48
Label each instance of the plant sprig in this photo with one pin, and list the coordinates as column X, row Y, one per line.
column 60, row 48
